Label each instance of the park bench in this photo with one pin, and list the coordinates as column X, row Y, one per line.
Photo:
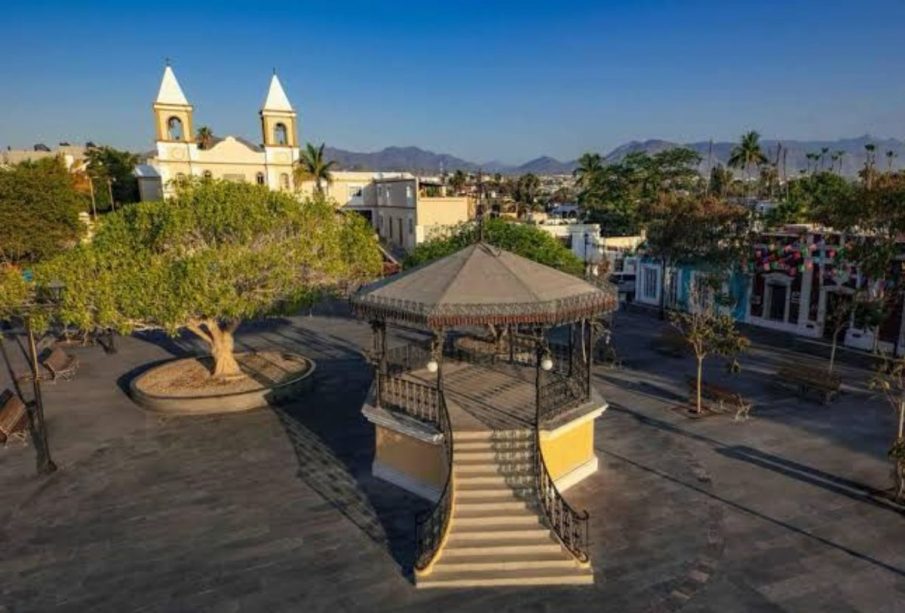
column 721, row 396
column 60, row 364
column 809, row 380
column 12, row 417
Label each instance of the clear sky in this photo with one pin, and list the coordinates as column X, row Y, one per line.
column 480, row 79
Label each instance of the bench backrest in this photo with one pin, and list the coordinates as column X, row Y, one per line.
column 57, row 359
column 12, row 411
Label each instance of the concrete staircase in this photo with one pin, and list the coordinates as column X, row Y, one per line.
column 497, row 536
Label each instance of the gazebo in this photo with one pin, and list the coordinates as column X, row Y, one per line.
column 488, row 412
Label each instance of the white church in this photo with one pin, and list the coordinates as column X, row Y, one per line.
column 179, row 154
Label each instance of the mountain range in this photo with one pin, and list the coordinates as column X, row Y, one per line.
column 418, row 160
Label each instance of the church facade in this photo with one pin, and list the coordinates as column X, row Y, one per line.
column 180, row 154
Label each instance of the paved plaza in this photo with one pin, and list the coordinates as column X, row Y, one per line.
column 276, row 509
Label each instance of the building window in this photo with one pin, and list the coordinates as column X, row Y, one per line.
column 174, row 128
column 284, row 181
column 207, row 175
column 355, row 191
column 259, row 178
column 180, row 176
column 410, row 195
column 280, row 135
column 650, row 283
column 411, row 225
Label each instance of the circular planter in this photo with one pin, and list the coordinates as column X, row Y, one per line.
column 203, row 401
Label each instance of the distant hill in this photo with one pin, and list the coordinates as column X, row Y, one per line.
column 418, row 160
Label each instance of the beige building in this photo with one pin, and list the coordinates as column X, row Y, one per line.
column 73, row 156
column 405, row 216
column 178, row 153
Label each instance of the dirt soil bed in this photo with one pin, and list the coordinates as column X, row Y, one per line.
column 191, row 377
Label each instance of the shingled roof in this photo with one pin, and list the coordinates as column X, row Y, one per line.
column 481, row 284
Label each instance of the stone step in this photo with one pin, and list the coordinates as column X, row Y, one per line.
column 503, row 503
column 494, row 519
column 467, row 490
column 502, row 468
column 470, row 533
column 531, row 576
column 503, row 547
column 510, row 561
column 492, row 455
column 496, row 436
column 518, row 480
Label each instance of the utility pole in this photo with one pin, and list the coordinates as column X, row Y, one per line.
column 110, row 192
column 93, row 203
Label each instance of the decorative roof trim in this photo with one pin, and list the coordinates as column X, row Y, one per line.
column 555, row 312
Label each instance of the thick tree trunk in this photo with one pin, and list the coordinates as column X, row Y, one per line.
column 222, row 345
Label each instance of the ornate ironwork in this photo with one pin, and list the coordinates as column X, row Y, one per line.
column 431, row 526
column 569, row 526
column 410, row 397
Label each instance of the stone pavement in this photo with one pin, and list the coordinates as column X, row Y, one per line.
column 276, row 510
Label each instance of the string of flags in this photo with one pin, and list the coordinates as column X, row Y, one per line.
column 797, row 257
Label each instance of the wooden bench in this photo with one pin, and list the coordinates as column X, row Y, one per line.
column 721, row 396
column 12, row 417
column 807, row 380
column 60, row 365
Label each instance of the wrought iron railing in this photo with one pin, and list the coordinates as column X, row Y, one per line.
column 567, row 388
column 406, row 358
column 415, row 399
column 569, row 526
column 431, row 526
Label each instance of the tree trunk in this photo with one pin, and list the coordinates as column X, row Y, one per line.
column 833, row 351
column 901, row 431
column 222, row 344
column 225, row 365
column 698, row 391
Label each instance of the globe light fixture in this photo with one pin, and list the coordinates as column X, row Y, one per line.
column 432, row 366
column 546, row 363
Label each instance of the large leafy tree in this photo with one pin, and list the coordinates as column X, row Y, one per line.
column 748, row 154
column 39, row 211
column 314, row 166
column 214, row 255
column 813, row 198
column 687, row 229
column 527, row 241
column 616, row 195
column 111, row 171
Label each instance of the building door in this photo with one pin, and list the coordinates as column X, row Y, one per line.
column 778, row 302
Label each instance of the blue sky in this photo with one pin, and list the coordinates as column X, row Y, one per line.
column 482, row 80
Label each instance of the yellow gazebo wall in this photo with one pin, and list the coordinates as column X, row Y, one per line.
column 411, row 459
column 569, row 450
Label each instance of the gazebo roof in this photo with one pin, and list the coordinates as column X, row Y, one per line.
column 481, row 284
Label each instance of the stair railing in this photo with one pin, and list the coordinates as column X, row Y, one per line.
column 431, row 527
column 569, row 526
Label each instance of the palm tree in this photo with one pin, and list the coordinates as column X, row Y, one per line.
column 823, row 152
column 313, row 167
column 839, row 155
column 205, row 137
column 869, row 163
column 812, row 157
column 889, row 157
column 457, row 182
column 589, row 166
column 747, row 154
